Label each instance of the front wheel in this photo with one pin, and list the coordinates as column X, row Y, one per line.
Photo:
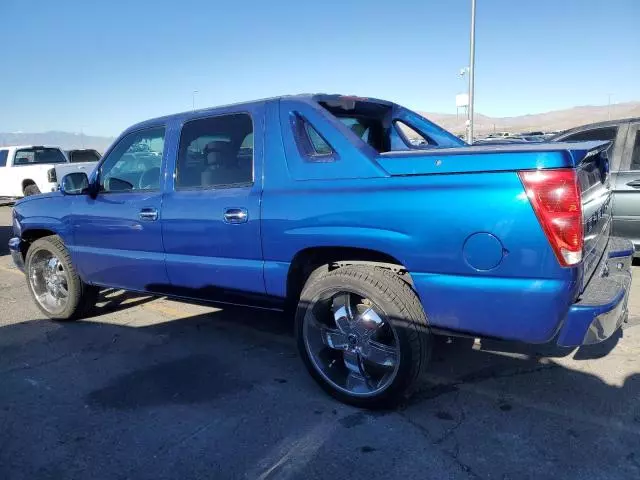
column 362, row 334
column 54, row 283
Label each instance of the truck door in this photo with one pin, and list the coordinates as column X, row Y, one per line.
column 117, row 235
column 4, row 190
column 627, row 189
column 211, row 216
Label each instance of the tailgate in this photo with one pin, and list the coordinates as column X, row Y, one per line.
column 593, row 176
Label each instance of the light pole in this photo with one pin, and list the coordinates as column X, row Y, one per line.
column 472, row 64
column 464, row 102
column 193, row 99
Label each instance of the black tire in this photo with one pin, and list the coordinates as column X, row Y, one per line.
column 31, row 189
column 403, row 310
column 81, row 297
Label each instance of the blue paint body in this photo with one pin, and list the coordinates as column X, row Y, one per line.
column 456, row 217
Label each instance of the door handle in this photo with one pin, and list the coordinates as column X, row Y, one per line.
column 236, row 215
column 634, row 184
column 148, row 214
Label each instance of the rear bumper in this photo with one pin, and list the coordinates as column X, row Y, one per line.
column 15, row 245
column 602, row 308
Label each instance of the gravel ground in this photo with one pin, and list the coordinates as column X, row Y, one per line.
column 152, row 388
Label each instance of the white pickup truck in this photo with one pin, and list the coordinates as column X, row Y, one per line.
column 31, row 169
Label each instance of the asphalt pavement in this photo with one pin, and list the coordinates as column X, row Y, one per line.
column 150, row 388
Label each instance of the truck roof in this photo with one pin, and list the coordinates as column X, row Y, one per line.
column 18, row 147
column 303, row 97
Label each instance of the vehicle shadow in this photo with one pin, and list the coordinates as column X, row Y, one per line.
column 6, row 232
column 453, row 360
column 112, row 300
column 459, row 361
column 237, row 353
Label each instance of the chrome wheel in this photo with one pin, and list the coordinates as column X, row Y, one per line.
column 351, row 343
column 49, row 281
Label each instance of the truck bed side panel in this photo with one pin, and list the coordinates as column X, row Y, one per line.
column 447, row 230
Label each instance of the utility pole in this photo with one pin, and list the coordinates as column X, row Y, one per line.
column 461, row 101
column 472, row 65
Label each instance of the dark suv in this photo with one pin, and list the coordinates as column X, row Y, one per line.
column 624, row 165
column 82, row 155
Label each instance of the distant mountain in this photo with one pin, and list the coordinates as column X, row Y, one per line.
column 65, row 140
column 549, row 121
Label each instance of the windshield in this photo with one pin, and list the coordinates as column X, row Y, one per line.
column 38, row 155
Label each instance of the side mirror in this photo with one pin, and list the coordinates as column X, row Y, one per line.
column 75, row 183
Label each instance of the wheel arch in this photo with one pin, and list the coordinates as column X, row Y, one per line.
column 26, row 182
column 31, row 235
column 307, row 261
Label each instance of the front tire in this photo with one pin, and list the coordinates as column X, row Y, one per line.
column 54, row 283
column 362, row 334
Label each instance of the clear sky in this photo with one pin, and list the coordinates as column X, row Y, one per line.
column 102, row 65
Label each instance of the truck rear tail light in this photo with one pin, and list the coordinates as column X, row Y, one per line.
column 555, row 198
column 51, row 175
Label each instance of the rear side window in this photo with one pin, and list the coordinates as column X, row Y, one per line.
column 320, row 145
column 606, row 133
column 635, row 155
column 77, row 156
column 38, row 155
column 216, row 152
column 312, row 146
column 3, row 158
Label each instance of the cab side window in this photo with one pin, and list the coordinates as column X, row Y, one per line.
column 216, row 152
column 79, row 156
column 3, row 157
column 134, row 164
column 604, row 133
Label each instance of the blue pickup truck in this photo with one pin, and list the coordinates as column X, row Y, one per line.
column 324, row 203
